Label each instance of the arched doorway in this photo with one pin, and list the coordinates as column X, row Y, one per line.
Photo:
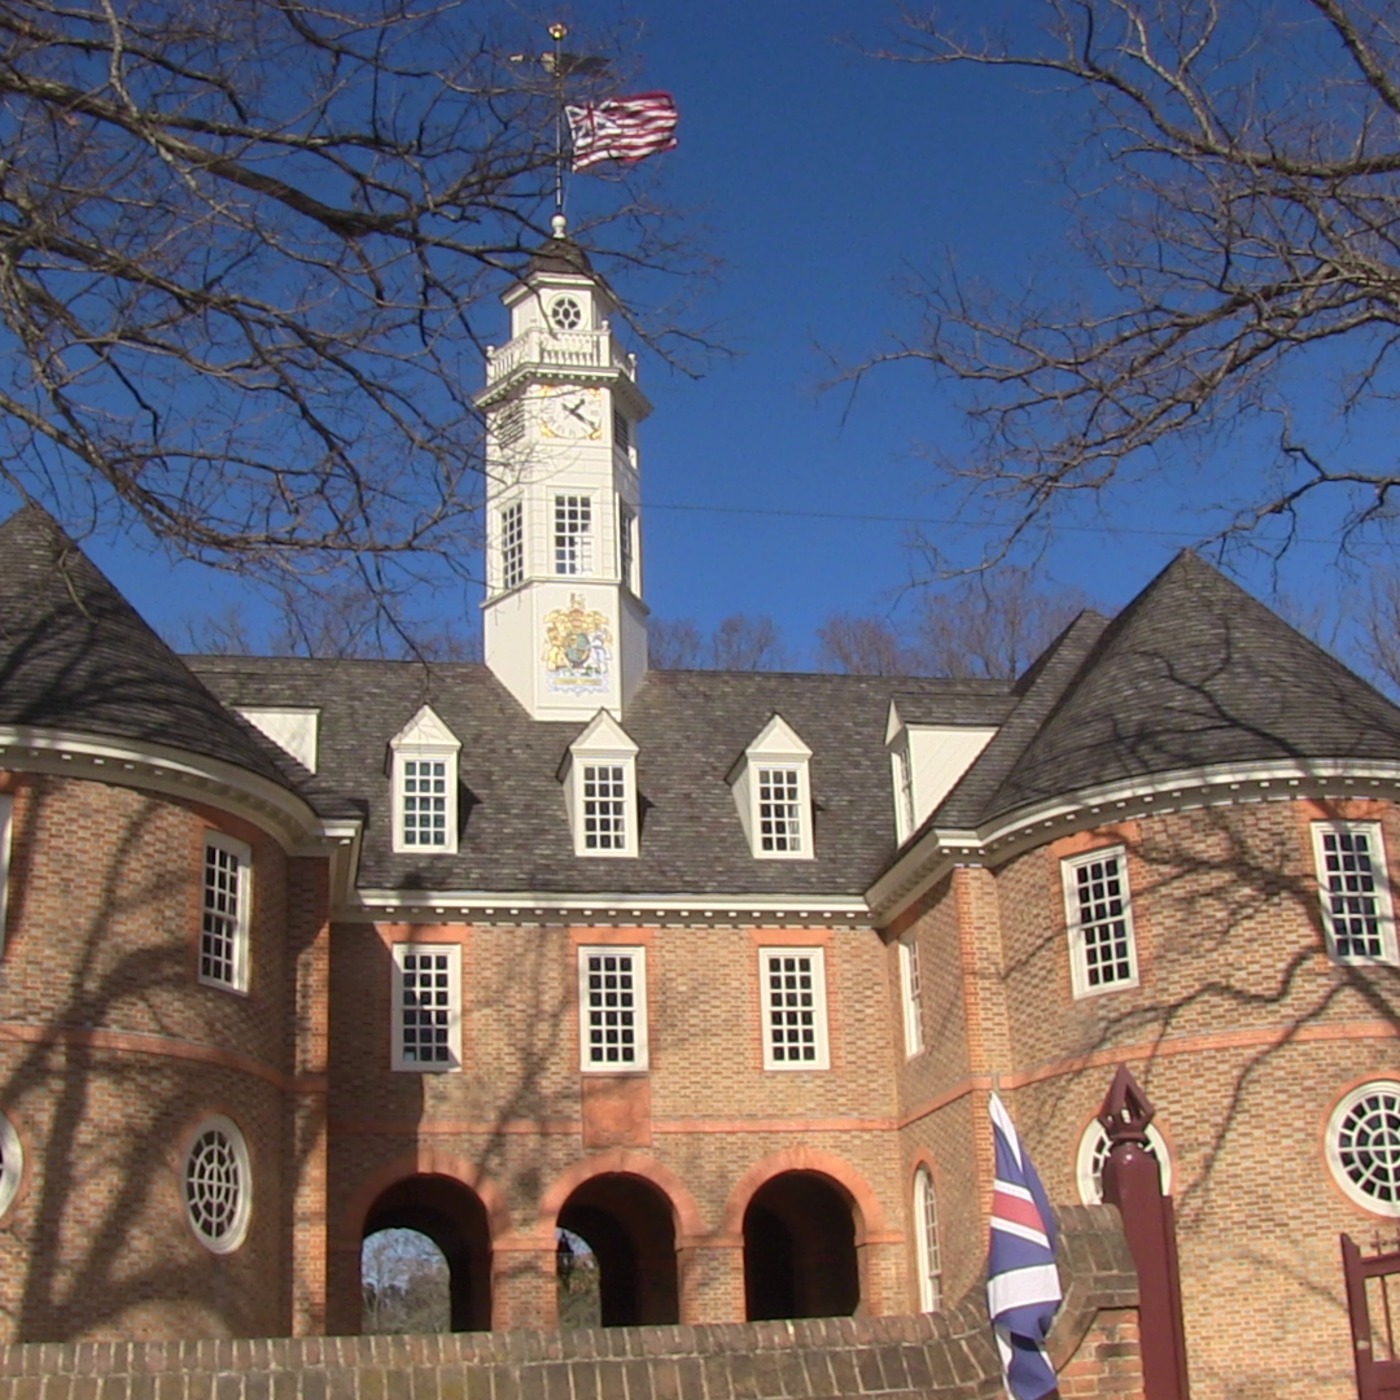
column 800, row 1249
column 453, row 1218
column 629, row 1227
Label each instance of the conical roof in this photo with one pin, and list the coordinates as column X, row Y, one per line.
column 76, row 656
column 1195, row 673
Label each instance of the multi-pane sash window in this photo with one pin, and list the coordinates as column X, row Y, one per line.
column 424, row 802
column 794, row 1008
column 626, row 530
column 779, row 810
column 512, row 546
column 604, row 807
column 913, row 996
column 1356, row 906
column 613, row 1020
column 926, row 1240
column 223, row 940
column 427, row 1019
column 573, row 535
column 1102, row 955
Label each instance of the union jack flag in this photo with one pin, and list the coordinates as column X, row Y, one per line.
column 624, row 128
column 1023, row 1284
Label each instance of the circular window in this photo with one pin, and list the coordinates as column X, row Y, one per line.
column 1363, row 1146
column 218, row 1185
column 565, row 314
column 11, row 1163
column 1093, row 1153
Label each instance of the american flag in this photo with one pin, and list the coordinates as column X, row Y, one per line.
column 1023, row 1284
column 624, row 128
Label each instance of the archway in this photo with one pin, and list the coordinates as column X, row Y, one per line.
column 453, row 1218
column 800, row 1249
column 629, row 1227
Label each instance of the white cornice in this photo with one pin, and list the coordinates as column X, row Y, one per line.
column 157, row 768
column 518, row 906
column 929, row 858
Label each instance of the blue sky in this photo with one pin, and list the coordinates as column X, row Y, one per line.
column 820, row 179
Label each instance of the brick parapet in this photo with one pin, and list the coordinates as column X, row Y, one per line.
column 945, row 1356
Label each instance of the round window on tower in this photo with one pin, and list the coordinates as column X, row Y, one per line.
column 1363, row 1146
column 218, row 1185
column 1093, row 1153
column 565, row 314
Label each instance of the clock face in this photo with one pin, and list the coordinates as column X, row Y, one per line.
column 574, row 414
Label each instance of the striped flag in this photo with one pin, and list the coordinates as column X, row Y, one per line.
column 624, row 128
column 1023, row 1284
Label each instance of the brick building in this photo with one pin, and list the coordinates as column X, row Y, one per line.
column 714, row 971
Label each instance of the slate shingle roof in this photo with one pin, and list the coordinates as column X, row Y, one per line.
column 690, row 727
column 75, row 655
column 1194, row 672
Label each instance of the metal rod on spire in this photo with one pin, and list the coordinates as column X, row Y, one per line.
column 558, row 32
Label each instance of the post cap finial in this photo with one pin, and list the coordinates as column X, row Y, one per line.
column 558, row 31
column 560, row 225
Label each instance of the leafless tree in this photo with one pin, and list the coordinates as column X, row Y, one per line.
column 738, row 643
column 1238, row 201
column 244, row 246
column 1379, row 645
column 863, row 646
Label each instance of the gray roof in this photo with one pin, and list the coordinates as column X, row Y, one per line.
column 1194, row 672
column 690, row 727
column 75, row 655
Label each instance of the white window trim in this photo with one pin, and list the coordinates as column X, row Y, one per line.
column 1091, row 1181
column 821, row 1043
column 7, row 804
column 11, row 1164
column 1385, row 914
column 1343, row 1178
column 777, row 748
column 641, row 1061
column 241, row 932
column 399, row 1061
column 572, row 548
column 603, row 744
column 237, row 1232
column 425, row 738
column 510, row 545
column 1079, row 966
column 911, row 988
column 927, row 1250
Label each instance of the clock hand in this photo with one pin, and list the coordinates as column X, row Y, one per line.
column 575, row 410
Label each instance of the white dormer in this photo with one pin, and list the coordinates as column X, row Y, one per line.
column 926, row 763
column 424, row 785
column 773, row 792
column 293, row 730
column 600, row 788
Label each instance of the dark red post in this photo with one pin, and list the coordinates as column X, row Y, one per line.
column 1132, row 1181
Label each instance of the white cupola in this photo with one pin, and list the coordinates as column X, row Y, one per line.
column 565, row 624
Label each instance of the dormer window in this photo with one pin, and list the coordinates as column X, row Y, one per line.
column 772, row 792
column 425, row 785
column 600, row 780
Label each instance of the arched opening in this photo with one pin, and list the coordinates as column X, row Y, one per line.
column 405, row 1284
column 628, row 1227
column 800, row 1249
column 446, row 1216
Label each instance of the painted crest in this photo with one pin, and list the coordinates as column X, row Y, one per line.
column 578, row 647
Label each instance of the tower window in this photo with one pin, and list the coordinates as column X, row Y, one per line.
column 1102, row 952
column 513, row 546
column 1355, row 894
column 626, row 546
column 565, row 314
column 510, row 423
column 573, row 535
column 223, row 940
column 622, row 431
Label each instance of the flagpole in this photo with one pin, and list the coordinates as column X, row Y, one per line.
column 558, row 32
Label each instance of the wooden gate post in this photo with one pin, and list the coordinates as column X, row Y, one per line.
column 1132, row 1181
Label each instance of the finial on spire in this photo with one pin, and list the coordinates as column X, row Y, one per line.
column 560, row 225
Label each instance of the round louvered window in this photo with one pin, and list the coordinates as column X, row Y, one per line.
column 1363, row 1146
column 218, row 1185
column 565, row 314
column 11, row 1163
column 1093, row 1153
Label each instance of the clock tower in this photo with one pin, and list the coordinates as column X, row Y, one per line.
column 564, row 619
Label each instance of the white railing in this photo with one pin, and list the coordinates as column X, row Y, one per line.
column 568, row 350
